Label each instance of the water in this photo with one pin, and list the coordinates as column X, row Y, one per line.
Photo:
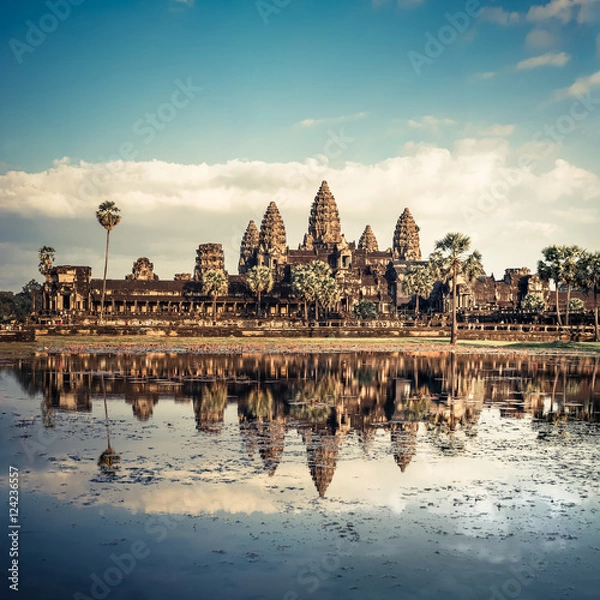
column 304, row 476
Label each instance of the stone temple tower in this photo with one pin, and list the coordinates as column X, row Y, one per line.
column 324, row 228
column 209, row 257
column 368, row 241
column 272, row 245
column 248, row 248
column 406, row 244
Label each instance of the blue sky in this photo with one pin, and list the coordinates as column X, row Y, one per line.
column 213, row 109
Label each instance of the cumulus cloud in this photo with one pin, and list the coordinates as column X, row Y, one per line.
column 550, row 59
column 560, row 11
column 541, row 38
column 168, row 209
column 496, row 14
column 564, row 11
column 580, row 87
column 430, row 123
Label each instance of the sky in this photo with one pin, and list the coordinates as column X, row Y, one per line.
column 481, row 117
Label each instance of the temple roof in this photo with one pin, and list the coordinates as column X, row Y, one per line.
column 368, row 241
column 406, row 244
column 324, row 222
column 272, row 230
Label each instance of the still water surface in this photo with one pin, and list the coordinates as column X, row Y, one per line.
column 305, row 476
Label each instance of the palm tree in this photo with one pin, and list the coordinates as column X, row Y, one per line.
column 46, row 259
column 215, row 283
column 259, row 280
column 328, row 293
column 450, row 260
column 534, row 303
column 108, row 216
column 588, row 278
column 418, row 281
column 570, row 270
column 560, row 265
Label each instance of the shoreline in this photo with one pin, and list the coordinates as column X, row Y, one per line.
column 150, row 345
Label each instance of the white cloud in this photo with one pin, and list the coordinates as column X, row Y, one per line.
column 186, row 2
column 486, row 75
column 430, row 123
column 581, row 86
column 496, row 14
column 561, row 11
column 581, row 215
column 332, row 120
column 551, row 59
column 541, row 38
column 564, row 11
column 536, row 227
column 168, row 209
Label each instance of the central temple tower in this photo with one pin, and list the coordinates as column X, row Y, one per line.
column 324, row 228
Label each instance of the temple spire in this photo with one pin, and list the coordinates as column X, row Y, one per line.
column 248, row 248
column 272, row 230
column 324, row 222
column 406, row 245
column 368, row 241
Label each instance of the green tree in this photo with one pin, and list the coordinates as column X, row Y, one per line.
column 46, row 255
column 576, row 305
column 328, row 293
column 419, row 281
column 214, row 284
column 313, row 283
column 259, row 279
column 450, row 260
column 534, row 303
column 588, row 278
column 365, row 309
column 32, row 289
column 561, row 266
column 108, row 216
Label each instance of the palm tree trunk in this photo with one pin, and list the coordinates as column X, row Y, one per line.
column 416, row 306
column 454, row 328
column 596, row 332
column 568, row 302
column 104, row 277
column 557, row 309
column 258, row 301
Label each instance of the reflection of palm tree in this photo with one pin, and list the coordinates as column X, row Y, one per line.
column 210, row 408
column 109, row 460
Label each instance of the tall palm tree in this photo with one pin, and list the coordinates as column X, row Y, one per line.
column 560, row 267
column 108, row 216
column 570, row 270
column 450, row 260
column 214, row 284
column 46, row 259
column 259, row 280
column 418, row 281
column 588, row 278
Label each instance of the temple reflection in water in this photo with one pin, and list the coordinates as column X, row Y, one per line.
column 325, row 398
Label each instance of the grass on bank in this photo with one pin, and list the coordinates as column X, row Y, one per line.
column 12, row 350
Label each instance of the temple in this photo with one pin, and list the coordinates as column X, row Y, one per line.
column 362, row 271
